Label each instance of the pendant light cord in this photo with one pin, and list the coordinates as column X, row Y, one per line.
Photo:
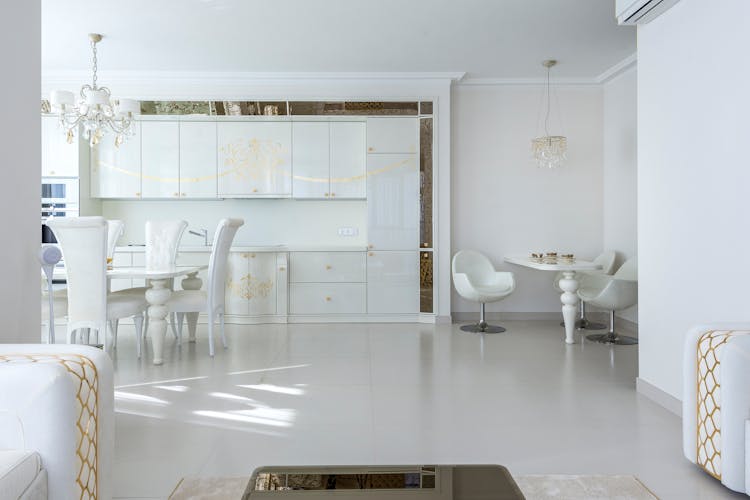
column 546, row 117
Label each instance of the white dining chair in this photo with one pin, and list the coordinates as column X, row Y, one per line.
column 193, row 302
column 605, row 259
column 83, row 241
column 614, row 293
column 162, row 245
column 476, row 279
column 115, row 229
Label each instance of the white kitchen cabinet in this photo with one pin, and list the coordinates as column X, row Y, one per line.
column 348, row 160
column 327, row 298
column 392, row 282
column 392, row 135
column 198, row 159
column 251, row 283
column 326, row 267
column 59, row 158
column 311, row 160
column 393, row 202
column 254, row 159
column 116, row 171
column 160, row 159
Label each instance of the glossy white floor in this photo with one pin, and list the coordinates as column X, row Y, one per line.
column 392, row 394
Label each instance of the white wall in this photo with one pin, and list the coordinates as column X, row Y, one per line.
column 20, row 163
column 620, row 170
column 287, row 222
column 693, row 178
column 504, row 205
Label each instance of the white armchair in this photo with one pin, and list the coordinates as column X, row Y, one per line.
column 716, row 402
column 56, row 422
column 614, row 293
column 476, row 279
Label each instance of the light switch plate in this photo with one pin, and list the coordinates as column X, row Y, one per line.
column 348, row 231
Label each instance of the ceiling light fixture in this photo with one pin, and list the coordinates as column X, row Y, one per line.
column 96, row 111
column 549, row 151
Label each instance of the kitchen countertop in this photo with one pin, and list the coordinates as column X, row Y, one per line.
column 258, row 248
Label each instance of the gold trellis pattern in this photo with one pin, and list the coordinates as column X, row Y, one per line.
column 710, row 345
column 250, row 287
column 84, row 372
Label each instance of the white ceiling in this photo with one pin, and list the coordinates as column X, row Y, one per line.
column 485, row 38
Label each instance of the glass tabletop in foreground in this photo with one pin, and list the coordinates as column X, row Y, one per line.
column 426, row 482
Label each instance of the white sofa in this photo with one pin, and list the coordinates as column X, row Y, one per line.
column 716, row 402
column 56, row 422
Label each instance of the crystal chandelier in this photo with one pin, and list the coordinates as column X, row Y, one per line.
column 96, row 112
column 549, row 151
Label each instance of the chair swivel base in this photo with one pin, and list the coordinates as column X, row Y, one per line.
column 584, row 324
column 612, row 338
column 482, row 327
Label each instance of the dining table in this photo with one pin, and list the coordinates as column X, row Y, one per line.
column 568, row 284
column 157, row 295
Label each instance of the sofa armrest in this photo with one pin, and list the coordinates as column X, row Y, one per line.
column 64, row 395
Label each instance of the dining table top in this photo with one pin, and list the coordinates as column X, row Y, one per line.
column 577, row 265
column 128, row 272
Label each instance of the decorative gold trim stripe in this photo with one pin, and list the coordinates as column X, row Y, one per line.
column 87, row 424
column 382, row 170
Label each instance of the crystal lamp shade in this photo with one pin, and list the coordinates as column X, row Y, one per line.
column 549, row 151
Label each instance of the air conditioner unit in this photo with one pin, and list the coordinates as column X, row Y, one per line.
column 631, row 12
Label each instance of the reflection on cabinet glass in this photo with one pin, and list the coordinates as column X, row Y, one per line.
column 254, row 159
column 251, row 283
column 425, row 183
column 160, row 159
column 59, row 157
column 425, row 282
column 392, row 202
column 198, row 159
column 116, row 171
column 392, row 282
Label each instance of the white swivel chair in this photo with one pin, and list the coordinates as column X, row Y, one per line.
column 475, row 279
column 614, row 293
column 192, row 302
column 607, row 261
column 83, row 241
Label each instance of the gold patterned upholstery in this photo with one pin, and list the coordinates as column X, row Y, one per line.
column 83, row 371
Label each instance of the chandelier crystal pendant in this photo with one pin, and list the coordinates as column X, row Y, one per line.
column 96, row 112
column 549, row 151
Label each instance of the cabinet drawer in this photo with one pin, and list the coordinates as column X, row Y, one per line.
column 327, row 267
column 327, row 298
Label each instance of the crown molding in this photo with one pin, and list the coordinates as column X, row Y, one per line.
column 618, row 69
column 606, row 76
column 238, row 78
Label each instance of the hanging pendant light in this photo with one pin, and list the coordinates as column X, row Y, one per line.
column 550, row 150
column 96, row 112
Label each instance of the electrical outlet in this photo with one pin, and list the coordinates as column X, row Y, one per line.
column 348, row 231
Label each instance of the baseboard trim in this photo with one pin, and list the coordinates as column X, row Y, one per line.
column 663, row 399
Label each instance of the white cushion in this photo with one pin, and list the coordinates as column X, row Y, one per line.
column 188, row 301
column 122, row 305
column 18, row 469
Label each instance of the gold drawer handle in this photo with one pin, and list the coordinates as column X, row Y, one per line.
column 333, row 194
column 138, row 193
column 370, row 246
column 252, row 255
column 370, row 253
column 328, row 268
column 282, row 269
column 328, row 299
column 255, row 190
column 175, row 194
column 370, row 149
column 183, row 194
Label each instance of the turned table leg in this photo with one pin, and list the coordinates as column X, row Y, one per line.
column 569, row 299
column 157, row 297
column 192, row 282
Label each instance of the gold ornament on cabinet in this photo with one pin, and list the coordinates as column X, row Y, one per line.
column 252, row 158
column 249, row 287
